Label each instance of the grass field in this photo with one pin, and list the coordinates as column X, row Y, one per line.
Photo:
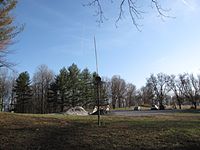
column 178, row 131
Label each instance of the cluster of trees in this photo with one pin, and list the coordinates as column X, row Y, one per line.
column 164, row 89
column 7, row 81
column 47, row 92
column 122, row 94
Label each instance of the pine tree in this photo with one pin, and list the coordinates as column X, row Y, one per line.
column 52, row 98
column 73, row 86
column 60, row 88
column 87, row 89
column 7, row 30
column 23, row 93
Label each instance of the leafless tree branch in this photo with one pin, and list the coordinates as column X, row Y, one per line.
column 161, row 11
column 99, row 11
column 134, row 11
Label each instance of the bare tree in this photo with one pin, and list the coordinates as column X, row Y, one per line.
column 7, row 79
column 159, row 84
column 41, row 82
column 190, row 86
column 175, row 85
column 196, row 87
column 130, row 94
column 13, row 100
column 131, row 6
column 118, row 88
column 105, row 89
column 146, row 94
column 4, row 87
column 186, row 86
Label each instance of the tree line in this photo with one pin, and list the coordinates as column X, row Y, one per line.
column 181, row 89
column 49, row 93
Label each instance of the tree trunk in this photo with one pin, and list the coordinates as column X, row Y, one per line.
column 119, row 102
column 195, row 105
column 113, row 102
column 161, row 107
column 62, row 103
column 113, row 105
column 179, row 104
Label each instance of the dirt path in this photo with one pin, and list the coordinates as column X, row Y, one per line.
column 149, row 112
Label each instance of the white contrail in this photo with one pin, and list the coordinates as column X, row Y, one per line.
column 188, row 4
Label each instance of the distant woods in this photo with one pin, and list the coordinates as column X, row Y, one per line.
column 46, row 92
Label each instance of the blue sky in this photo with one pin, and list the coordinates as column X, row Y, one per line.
column 61, row 33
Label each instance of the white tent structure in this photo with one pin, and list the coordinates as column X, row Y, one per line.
column 78, row 110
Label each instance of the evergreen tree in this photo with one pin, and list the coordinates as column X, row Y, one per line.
column 52, row 98
column 73, row 86
column 23, row 93
column 87, row 88
column 60, row 88
column 7, row 30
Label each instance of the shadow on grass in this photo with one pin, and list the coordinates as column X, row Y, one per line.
column 63, row 134
column 41, row 138
column 190, row 111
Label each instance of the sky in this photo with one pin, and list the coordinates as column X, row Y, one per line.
column 61, row 33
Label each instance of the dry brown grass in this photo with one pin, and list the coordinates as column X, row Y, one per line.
column 178, row 131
